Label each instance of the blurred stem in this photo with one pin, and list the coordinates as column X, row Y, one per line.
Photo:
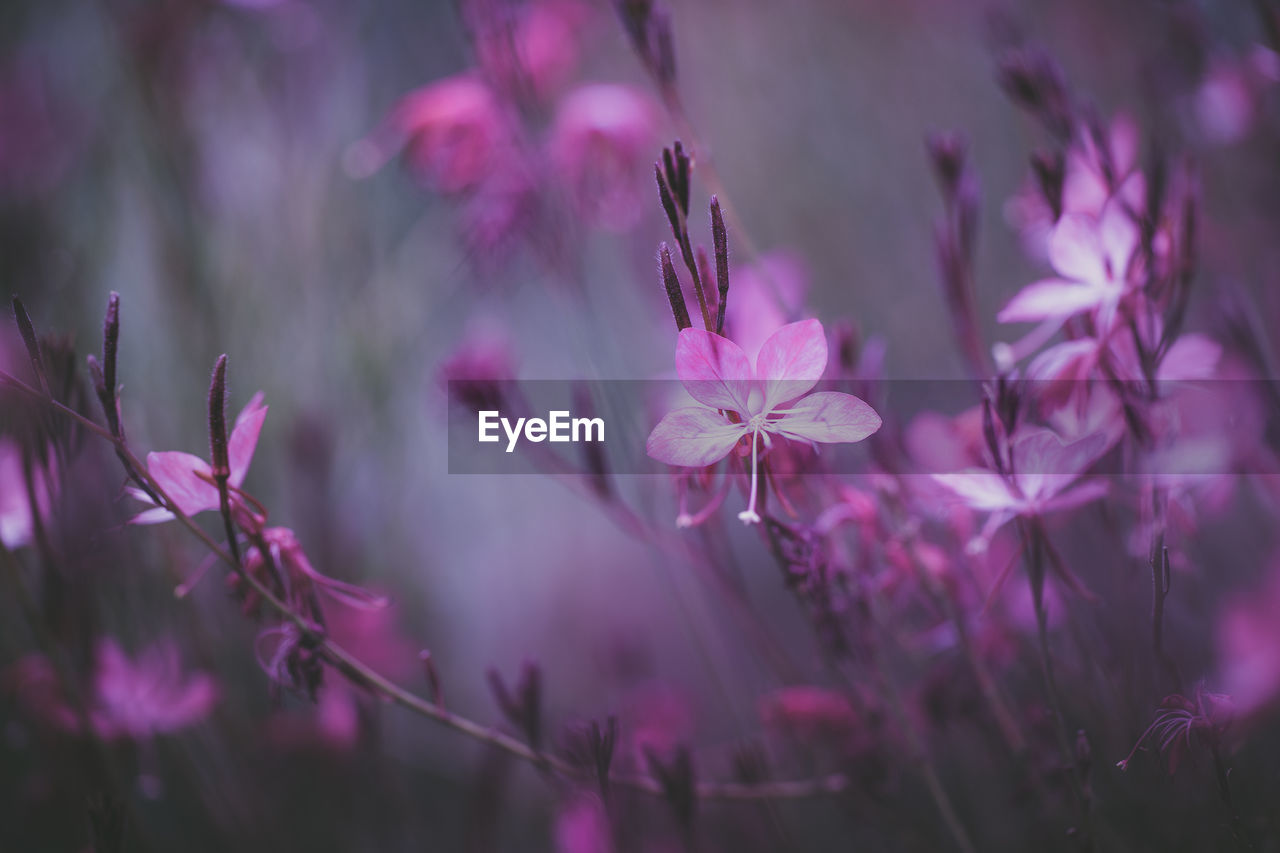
column 1223, row 774
column 362, row 674
column 920, row 752
column 1033, row 548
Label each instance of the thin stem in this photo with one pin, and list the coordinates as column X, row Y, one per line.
column 920, row 751
column 361, row 673
column 1033, row 547
column 1223, row 773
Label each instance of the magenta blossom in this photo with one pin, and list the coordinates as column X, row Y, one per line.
column 135, row 699
column 771, row 400
column 601, row 144
column 188, row 479
column 1037, row 481
column 1092, row 256
column 1249, row 647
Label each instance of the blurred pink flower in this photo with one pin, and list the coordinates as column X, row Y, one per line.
column 1229, row 100
column 188, row 479
column 602, row 148
column 583, row 827
column 766, row 295
column 1041, row 470
column 452, row 132
column 715, row 371
column 15, row 502
column 286, row 554
column 812, row 714
column 1093, row 175
column 135, row 699
column 147, row 696
column 1249, row 647
column 1096, row 173
column 1093, row 257
column 528, row 48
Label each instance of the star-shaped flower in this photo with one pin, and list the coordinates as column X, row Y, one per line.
column 1092, row 256
column 188, row 479
column 773, row 399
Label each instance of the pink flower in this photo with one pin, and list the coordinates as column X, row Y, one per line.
column 529, row 48
column 1093, row 256
column 147, row 696
column 812, row 714
column 130, row 698
column 15, row 503
column 1041, row 469
column 452, row 132
column 765, row 295
column 188, row 479
column 601, row 146
column 286, row 554
column 1249, row 648
column 1093, row 175
column 583, row 827
column 771, row 400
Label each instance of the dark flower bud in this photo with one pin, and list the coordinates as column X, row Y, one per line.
column 1050, row 169
column 948, row 151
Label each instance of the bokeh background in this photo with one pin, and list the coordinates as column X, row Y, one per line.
column 203, row 160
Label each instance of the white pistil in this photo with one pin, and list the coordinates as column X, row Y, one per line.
column 749, row 516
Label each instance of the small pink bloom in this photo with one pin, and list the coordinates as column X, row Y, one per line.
column 1093, row 176
column 529, row 48
column 147, row 696
column 452, row 132
column 15, row 502
column 809, row 713
column 1249, row 648
column 1043, row 468
column 188, row 479
column 135, row 699
column 769, row 400
column 583, row 827
column 1093, row 256
column 287, row 555
column 1229, row 100
column 765, row 296
column 601, row 146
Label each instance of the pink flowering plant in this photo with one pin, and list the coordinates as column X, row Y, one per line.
column 773, row 399
column 1035, row 608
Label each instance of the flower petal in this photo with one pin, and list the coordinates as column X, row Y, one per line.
column 1045, row 464
column 1190, row 357
column 176, row 473
column 791, row 361
column 1051, row 297
column 1118, row 238
column 1079, row 496
column 1075, row 250
column 693, row 437
column 981, row 490
column 828, row 416
column 714, row 370
column 244, row 438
